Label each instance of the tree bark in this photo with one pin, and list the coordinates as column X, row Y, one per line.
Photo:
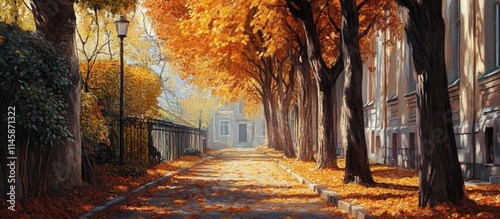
column 304, row 143
column 277, row 133
column 56, row 19
column 357, row 164
column 440, row 177
column 288, row 148
column 272, row 126
column 327, row 149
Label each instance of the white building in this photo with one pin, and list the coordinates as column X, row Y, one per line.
column 230, row 128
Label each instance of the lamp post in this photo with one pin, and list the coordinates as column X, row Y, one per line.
column 121, row 29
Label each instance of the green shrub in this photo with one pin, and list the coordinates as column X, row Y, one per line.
column 33, row 77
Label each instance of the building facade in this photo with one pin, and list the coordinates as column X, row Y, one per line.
column 473, row 64
column 230, row 128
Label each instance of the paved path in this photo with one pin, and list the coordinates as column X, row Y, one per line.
column 239, row 183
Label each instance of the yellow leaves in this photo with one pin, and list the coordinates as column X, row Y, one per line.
column 93, row 125
column 16, row 12
column 142, row 88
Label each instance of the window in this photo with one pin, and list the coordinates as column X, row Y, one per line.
column 412, row 86
column 394, row 149
column 224, row 128
column 369, row 72
column 391, row 74
column 453, row 28
column 489, row 153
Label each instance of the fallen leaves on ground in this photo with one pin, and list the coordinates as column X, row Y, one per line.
column 74, row 202
column 234, row 183
column 395, row 193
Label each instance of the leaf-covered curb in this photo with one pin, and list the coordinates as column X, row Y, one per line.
column 104, row 208
column 328, row 195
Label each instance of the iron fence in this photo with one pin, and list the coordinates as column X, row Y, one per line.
column 148, row 141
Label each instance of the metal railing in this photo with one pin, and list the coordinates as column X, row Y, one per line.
column 148, row 141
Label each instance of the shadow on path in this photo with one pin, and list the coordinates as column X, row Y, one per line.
column 238, row 183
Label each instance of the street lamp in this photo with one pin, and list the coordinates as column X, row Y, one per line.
column 121, row 29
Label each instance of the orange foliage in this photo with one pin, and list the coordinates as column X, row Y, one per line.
column 395, row 193
column 219, row 43
column 222, row 43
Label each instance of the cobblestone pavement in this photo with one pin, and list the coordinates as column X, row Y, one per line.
column 238, row 183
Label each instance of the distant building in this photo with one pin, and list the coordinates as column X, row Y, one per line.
column 230, row 128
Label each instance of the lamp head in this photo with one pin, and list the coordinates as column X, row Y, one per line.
column 122, row 26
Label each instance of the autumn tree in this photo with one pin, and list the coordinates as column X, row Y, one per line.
column 357, row 164
column 440, row 178
column 241, row 47
column 325, row 75
column 197, row 108
column 94, row 39
column 56, row 20
column 33, row 78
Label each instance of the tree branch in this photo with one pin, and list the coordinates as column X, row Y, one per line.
column 335, row 25
column 295, row 9
column 367, row 29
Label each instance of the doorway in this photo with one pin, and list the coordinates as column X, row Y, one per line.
column 242, row 133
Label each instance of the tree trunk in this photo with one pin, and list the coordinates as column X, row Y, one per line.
column 288, row 148
column 325, row 77
column 327, row 150
column 440, row 177
column 267, row 116
column 278, row 140
column 57, row 21
column 271, row 123
column 304, row 143
column 357, row 164
column 284, row 98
